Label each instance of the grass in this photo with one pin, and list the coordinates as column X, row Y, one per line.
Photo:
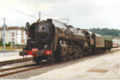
column 9, row 48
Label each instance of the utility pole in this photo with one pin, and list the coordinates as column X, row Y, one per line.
column 39, row 15
column 39, row 19
column 4, row 35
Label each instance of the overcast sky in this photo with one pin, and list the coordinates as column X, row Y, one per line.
column 81, row 13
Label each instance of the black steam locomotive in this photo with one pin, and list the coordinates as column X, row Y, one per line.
column 53, row 40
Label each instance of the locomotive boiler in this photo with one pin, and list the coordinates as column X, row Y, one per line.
column 53, row 40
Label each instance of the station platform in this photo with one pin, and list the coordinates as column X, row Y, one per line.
column 10, row 55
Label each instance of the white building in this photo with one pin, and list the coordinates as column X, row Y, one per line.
column 116, row 41
column 14, row 35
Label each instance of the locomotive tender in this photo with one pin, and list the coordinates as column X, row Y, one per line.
column 53, row 40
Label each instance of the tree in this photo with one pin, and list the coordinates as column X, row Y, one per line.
column 1, row 40
column 106, row 31
column 23, row 28
column 27, row 26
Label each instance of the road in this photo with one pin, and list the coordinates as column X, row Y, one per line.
column 100, row 66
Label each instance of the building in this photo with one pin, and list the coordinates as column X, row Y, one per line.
column 14, row 35
column 116, row 41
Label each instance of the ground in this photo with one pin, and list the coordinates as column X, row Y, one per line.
column 10, row 55
column 100, row 66
column 105, row 65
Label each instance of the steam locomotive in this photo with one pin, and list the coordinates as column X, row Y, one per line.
column 53, row 40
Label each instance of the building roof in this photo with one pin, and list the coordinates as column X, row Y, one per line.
column 13, row 28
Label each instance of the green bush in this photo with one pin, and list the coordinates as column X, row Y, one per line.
column 1, row 44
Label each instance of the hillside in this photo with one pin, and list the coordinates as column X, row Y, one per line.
column 106, row 32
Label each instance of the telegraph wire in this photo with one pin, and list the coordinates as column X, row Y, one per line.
column 21, row 12
column 18, row 11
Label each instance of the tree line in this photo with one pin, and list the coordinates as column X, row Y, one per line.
column 106, row 31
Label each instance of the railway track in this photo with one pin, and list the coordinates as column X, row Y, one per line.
column 24, row 68
column 19, row 69
column 3, row 63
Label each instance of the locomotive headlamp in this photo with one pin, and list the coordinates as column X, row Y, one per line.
column 45, row 46
column 48, row 52
column 35, row 49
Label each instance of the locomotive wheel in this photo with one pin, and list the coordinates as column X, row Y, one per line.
column 64, row 58
column 85, row 53
column 37, row 62
column 75, row 55
column 80, row 55
column 70, row 57
column 50, row 59
column 57, row 59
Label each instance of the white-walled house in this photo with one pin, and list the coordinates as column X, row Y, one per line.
column 14, row 35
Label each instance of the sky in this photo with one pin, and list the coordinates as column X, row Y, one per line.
column 81, row 13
